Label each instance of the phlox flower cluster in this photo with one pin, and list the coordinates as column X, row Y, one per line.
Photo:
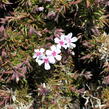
column 53, row 55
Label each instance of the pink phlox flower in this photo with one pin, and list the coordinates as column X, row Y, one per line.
column 61, row 42
column 40, row 9
column 70, row 41
column 46, row 60
column 53, row 54
column 50, row 56
column 38, row 53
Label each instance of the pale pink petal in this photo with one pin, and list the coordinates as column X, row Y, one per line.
column 58, row 57
column 53, row 47
column 51, row 59
column 42, row 50
column 48, row 52
column 56, row 40
column 72, row 45
column 59, row 46
column 68, row 45
column 58, row 51
column 72, row 53
column 65, row 46
column 69, row 35
column 74, row 39
column 34, row 56
column 62, row 37
column 47, row 66
column 40, row 62
column 36, row 50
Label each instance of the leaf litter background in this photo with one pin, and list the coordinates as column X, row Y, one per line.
column 77, row 82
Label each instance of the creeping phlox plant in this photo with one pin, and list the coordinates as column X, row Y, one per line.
column 52, row 55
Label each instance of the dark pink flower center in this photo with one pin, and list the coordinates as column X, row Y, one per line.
column 46, row 60
column 61, row 42
column 38, row 53
column 54, row 53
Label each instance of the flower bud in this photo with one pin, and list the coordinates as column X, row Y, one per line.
column 47, row 0
column 40, row 9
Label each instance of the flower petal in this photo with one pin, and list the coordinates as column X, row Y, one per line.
column 73, row 53
column 69, row 35
column 34, row 56
column 40, row 62
column 42, row 50
column 51, row 59
column 58, row 57
column 74, row 39
column 58, row 51
column 68, row 45
column 62, row 37
column 36, row 50
column 48, row 52
column 65, row 46
column 56, row 40
column 53, row 47
column 59, row 46
column 47, row 66
column 72, row 46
